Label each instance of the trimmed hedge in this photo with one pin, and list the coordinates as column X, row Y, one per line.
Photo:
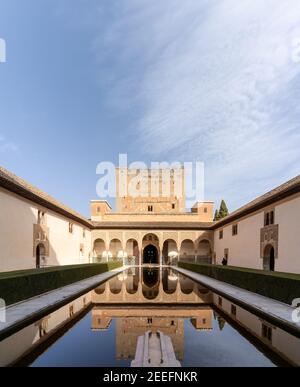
column 284, row 287
column 20, row 285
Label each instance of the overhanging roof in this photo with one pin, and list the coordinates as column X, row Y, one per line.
column 20, row 187
column 283, row 191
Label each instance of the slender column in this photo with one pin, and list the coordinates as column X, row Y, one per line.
column 140, row 255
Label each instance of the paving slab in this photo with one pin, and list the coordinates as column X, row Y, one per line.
column 26, row 312
column 276, row 312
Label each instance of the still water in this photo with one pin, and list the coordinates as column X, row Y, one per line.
column 101, row 328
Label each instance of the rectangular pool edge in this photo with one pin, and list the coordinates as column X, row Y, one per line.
column 280, row 322
column 30, row 318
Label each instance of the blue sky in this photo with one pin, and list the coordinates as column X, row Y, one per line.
column 209, row 80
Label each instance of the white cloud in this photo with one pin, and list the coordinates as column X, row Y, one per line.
column 7, row 146
column 218, row 84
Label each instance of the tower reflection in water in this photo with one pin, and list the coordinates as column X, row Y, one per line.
column 144, row 299
column 205, row 328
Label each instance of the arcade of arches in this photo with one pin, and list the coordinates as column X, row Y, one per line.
column 153, row 248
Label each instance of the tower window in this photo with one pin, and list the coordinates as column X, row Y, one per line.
column 221, row 234
column 173, row 206
column 205, row 210
column 150, row 208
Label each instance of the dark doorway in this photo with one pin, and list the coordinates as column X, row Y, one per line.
column 269, row 258
column 150, row 255
column 40, row 252
column 272, row 259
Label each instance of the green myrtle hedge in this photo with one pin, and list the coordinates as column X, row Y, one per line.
column 284, row 287
column 20, row 285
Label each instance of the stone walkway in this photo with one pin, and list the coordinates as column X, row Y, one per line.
column 20, row 315
column 278, row 313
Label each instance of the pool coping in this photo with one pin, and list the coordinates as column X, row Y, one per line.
column 24, row 313
column 270, row 310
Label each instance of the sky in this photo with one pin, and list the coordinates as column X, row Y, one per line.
column 216, row 81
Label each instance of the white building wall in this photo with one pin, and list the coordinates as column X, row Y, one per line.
column 65, row 246
column 17, row 218
column 16, row 233
column 244, row 248
column 287, row 215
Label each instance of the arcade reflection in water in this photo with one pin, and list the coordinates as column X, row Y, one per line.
column 101, row 328
column 151, row 285
column 172, row 294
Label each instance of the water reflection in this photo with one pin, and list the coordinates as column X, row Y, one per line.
column 102, row 327
column 134, row 322
column 151, row 285
column 158, row 287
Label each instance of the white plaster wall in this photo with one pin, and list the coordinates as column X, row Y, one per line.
column 244, row 248
column 16, row 233
column 17, row 218
column 287, row 215
column 65, row 246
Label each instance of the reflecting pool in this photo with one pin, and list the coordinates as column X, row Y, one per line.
column 102, row 327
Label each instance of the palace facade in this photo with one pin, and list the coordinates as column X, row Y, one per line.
column 37, row 230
